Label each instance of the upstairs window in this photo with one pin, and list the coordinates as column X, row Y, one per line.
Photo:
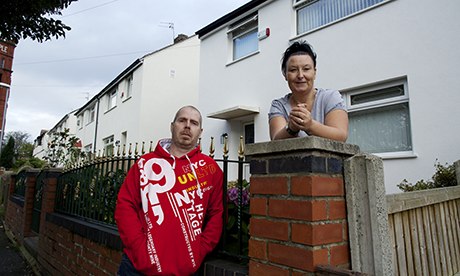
column 112, row 99
column 92, row 114
column 129, row 86
column 80, row 121
column 379, row 119
column 244, row 37
column 312, row 14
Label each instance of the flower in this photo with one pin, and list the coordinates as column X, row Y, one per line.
column 233, row 193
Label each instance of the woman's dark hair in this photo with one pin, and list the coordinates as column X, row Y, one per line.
column 297, row 48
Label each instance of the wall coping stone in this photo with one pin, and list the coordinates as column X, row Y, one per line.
column 101, row 234
column 301, row 143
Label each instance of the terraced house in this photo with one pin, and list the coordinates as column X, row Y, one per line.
column 394, row 61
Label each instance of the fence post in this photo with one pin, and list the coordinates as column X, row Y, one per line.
column 49, row 193
column 29, row 201
column 368, row 215
column 457, row 170
column 297, row 206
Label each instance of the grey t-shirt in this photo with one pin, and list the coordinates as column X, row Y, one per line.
column 326, row 100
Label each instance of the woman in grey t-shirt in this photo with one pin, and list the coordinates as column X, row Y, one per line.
column 306, row 110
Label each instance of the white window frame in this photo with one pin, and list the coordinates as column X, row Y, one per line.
column 109, row 143
column 391, row 101
column 88, row 148
column 129, row 86
column 80, row 121
column 299, row 5
column 112, row 99
column 236, row 31
column 91, row 114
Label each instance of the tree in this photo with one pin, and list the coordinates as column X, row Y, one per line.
column 20, row 19
column 7, row 155
column 443, row 177
column 62, row 149
column 22, row 147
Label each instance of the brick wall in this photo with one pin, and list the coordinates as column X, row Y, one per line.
column 298, row 211
column 18, row 215
column 298, row 217
column 70, row 246
column 62, row 252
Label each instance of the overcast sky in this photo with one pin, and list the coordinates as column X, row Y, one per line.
column 52, row 78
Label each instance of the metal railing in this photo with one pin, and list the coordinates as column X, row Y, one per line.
column 20, row 184
column 235, row 232
column 88, row 190
column 37, row 203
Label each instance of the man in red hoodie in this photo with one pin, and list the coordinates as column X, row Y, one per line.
column 169, row 208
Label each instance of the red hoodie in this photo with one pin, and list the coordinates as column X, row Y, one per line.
column 167, row 222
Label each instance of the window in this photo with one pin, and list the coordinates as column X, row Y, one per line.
column 249, row 133
column 112, row 99
column 88, row 148
column 379, row 119
column 2, row 64
column 108, row 146
column 312, row 14
column 92, row 114
column 244, row 37
column 129, row 86
column 80, row 121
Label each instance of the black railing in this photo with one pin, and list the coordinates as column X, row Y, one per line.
column 37, row 206
column 20, row 184
column 89, row 191
column 235, row 234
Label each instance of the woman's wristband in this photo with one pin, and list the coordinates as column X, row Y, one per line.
column 291, row 132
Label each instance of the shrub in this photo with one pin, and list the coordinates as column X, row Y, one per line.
column 443, row 177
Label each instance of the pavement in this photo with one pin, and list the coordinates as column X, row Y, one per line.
column 12, row 262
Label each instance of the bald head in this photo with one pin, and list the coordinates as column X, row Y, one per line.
column 188, row 107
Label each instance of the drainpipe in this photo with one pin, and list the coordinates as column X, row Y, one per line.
column 7, row 91
column 96, row 124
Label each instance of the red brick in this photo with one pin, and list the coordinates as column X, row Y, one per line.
column 337, row 209
column 269, row 185
column 298, row 209
column 340, row 255
column 345, row 231
column 299, row 273
column 297, row 257
column 256, row 268
column 116, row 256
column 258, row 206
column 317, row 186
column 317, row 234
column 261, row 228
column 109, row 266
column 258, row 249
column 91, row 255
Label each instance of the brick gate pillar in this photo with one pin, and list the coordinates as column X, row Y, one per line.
column 298, row 210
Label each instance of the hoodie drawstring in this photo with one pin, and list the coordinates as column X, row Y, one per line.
column 198, row 186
